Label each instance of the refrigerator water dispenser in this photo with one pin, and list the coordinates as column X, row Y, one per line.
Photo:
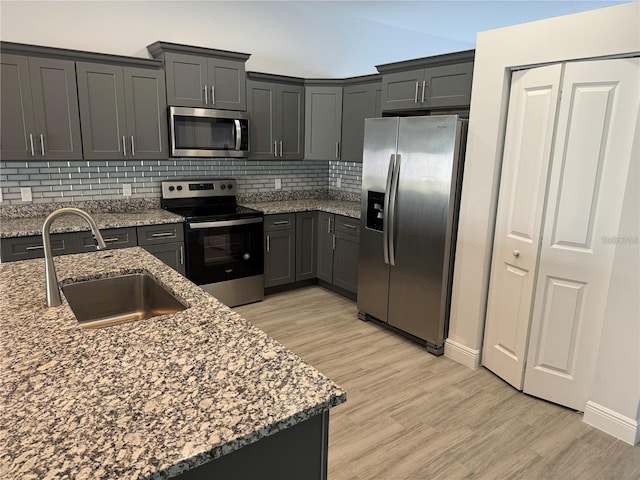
column 375, row 210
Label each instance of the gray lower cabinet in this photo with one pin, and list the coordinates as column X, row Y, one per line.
column 25, row 248
column 444, row 86
column 306, row 245
column 280, row 249
column 166, row 242
column 277, row 119
column 40, row 117
column 338, row 249
column 323, row 122
column 113, row 237
column 123, row 112
column 358, row 102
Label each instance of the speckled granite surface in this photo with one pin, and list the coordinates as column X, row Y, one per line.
column 91, row 206
column 149, row 399
column 340, row 207
column 26, row 226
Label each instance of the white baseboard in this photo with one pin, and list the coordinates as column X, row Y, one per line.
column 621, row 427
column 462, row 354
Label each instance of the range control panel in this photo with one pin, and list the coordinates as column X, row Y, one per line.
column 198, row 187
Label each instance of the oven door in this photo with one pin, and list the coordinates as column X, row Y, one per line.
column 224, row 250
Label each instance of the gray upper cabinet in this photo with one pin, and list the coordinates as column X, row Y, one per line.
column 203, row 77
column 277, row 119
column 323, row 122
column 123, row 112
column 39, row 109
column 359, row 101
column 442, row 81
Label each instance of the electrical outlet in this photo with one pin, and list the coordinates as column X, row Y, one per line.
column 25, row 193
column 278, row 185
column 338, row 182
column 126, row 189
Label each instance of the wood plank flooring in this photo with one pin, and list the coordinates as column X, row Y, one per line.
column 410, row 415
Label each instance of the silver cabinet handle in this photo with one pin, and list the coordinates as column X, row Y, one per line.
column 35, row 247
column 133, row 147
column 329, row 225
column 33, row 151
column 334, row 241
column 206, row 99
column 337, row 149
column 275, row 148
column 108, row 240
column 280, row 147
column 42, row 144
column 213, row 94
column 348, row 225
column 124, row 145
column 281, row 222
column 268, row 244
column 162, row 234
column 415, row 99
column 423, row 89
column 181, row 255
column 516, row 253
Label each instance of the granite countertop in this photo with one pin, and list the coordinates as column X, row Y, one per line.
column 148, row 399
column 340, row 207
column 27, row 226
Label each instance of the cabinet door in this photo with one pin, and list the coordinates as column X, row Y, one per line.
column 113, row 237
column 358, row 104
column 402, row 90
column 227, row 84
column 102, row 111
column 306, row 245
column 280, row 257
column 146, row 113
column 186, row 79
column 24, row 248
column 170, row 253
column 325, row 246
column 345, row 261
column 156, row 234
column 448, row 86
column 323, row 123
column 17, row 132
column 261, row 105
column 290, row 122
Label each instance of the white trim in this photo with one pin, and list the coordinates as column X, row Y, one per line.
column 613, row 423
column 462, row 354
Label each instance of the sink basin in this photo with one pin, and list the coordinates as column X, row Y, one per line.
column 127, row 298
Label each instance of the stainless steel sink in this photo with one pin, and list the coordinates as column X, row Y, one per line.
column 127, row 298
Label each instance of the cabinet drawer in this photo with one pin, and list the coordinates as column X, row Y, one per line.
column 113, row 237
column 350, row 226
column 157, row 234
column 25, row 248
column 281, row 221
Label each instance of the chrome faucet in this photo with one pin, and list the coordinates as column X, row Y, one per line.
column 53, row 292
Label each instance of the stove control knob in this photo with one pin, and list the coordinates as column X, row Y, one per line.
column 230, row 186
column 179, row 187
column 171, row 189
column 223, row 186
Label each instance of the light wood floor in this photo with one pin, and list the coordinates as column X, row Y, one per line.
column 411, row 415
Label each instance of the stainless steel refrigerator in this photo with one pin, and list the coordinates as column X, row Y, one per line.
column 411, row 172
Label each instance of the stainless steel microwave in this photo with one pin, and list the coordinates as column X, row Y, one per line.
column 205, row 132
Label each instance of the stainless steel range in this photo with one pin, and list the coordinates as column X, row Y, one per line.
column 223, row 239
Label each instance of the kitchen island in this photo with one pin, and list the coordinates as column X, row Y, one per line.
column 159, row 398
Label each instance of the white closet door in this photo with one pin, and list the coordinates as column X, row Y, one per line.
column 596, row 126
column 526, row 157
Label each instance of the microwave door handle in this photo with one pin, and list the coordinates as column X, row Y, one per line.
column 238, row 134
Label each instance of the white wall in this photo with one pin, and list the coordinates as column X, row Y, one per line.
column 311, row 39
column 609, row 31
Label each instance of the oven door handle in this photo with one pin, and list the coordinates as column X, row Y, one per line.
column 225, row 223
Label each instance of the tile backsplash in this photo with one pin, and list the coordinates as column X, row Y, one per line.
column 73, row 181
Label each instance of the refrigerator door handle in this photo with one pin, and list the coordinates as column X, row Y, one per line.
column 385, row 219
column 392, row 211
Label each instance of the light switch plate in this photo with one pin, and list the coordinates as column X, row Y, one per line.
column 278, row 185
column 25, row 193
column 126, row 189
